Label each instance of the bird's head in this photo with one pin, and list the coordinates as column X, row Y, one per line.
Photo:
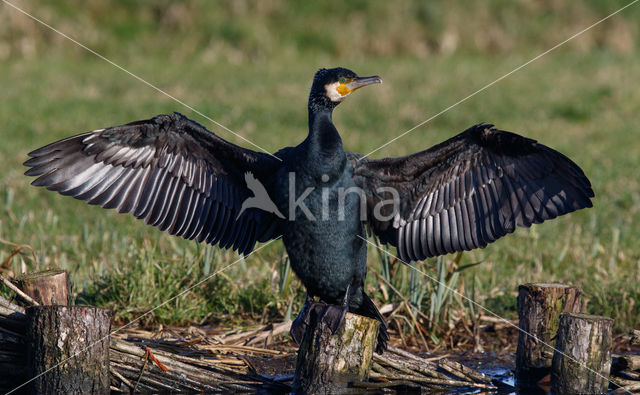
column 332, row 86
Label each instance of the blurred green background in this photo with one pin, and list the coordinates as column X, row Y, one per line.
column 249, row 65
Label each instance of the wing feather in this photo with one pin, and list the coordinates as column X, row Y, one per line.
column 169, row 171
column 471, row 190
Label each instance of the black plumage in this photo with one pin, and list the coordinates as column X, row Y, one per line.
column 169, row 171
column 471, row 190
column 458, row 195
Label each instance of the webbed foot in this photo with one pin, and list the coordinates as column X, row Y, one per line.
column 333, row 315
column 330, row 314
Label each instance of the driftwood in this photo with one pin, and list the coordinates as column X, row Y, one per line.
column 10, row 309
column 203, row 359
column 12, row 318
column 13, row 358
column 50, row 287
column 329, row 362
column 205, row 362
column 625, row 362
column 140, row 368
column 398, row 368
column 68, row 349
column 228, row 366
column 582, row 360
column 539, row 309
column 260, row 336
column 625, row 385
column 196, row 360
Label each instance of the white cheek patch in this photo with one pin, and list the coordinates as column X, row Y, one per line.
column 332, row 92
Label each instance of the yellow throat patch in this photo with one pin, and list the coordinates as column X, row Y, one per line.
column 343, row 90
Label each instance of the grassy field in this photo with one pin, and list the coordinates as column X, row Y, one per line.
column 248, row 65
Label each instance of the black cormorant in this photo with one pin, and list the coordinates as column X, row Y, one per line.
column 458, row 195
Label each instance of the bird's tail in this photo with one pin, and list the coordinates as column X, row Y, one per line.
column 369, row 309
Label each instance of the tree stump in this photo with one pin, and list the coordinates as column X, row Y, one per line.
column 582, row 360
column 68, row 349
column 539, row 309
column 328, row 363
column 47, row 288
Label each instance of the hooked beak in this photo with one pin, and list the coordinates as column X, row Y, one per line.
column 359, row 82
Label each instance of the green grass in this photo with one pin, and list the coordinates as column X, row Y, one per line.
column 248, row 65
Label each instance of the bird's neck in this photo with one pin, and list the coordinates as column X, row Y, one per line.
column 321, row 152
column 323, row 135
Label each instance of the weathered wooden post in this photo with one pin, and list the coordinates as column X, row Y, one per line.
column 539, row 309
column 582, row 360
column 67, row 347
column 47, row 288
column 328, row 363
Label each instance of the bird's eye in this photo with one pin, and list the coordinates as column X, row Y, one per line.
column 342, row 80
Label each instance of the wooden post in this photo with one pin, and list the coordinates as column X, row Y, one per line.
column 328, row 363
column 539, row 309
column 74, row 343
column 47, row 288
column 582, row 360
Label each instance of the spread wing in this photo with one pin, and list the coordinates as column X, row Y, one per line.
column 169, row 171
column 468, row 191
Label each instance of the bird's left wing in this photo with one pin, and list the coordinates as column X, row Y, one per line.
column 169, row 171
column 467, row 191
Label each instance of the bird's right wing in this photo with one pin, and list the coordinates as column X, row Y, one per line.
column 169, row 171
column 468, row 191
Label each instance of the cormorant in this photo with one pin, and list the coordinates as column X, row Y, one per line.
column 458, row 195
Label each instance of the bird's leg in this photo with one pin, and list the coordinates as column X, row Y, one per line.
column 302, row 321
column 332, row 315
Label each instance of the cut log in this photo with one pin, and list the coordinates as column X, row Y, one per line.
column 626, row 362
column 539, row 309
column 634, row 337
column 50, row 287
column 68, row 349
column 582, row 360
column 328, row 363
